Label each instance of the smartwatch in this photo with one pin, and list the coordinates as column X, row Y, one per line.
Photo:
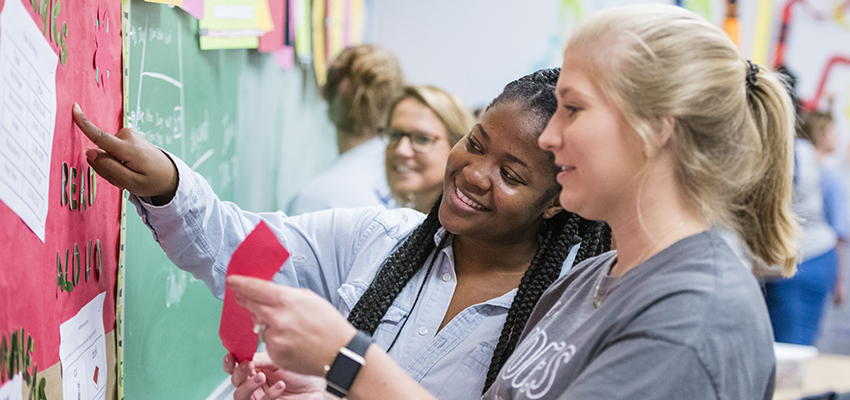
column 340, row 375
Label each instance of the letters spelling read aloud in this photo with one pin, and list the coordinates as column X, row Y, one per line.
column 259, row 256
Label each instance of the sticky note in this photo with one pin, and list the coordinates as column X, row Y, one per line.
column 260, row 256
column 285, row 57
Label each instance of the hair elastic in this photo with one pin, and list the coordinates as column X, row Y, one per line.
column 752, row 75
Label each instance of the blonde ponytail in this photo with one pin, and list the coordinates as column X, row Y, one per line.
column 764, row 220
column 734, row 131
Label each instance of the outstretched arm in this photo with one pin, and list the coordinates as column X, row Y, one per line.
column 303, row 333
column 128, row 161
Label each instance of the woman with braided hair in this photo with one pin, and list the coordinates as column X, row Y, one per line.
column 446, row 294
column 666, row 133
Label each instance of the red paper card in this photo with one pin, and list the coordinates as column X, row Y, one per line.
column 260, row 256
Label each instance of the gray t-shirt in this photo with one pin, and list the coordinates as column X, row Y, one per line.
column 689, row 323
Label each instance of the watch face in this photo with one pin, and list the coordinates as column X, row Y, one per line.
column 342, row 374
column 347, row 364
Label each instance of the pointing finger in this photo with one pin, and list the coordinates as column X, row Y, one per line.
column 105, row 141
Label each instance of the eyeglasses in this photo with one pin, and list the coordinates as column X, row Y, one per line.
column 420, row 142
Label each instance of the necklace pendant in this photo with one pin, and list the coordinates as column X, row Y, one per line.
column 597, row 300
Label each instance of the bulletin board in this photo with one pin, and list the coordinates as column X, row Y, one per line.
column 65, row 260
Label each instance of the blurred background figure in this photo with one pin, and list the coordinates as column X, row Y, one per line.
column 819, row 129
column 424, row 124
column 796, row 304
column 362, row 84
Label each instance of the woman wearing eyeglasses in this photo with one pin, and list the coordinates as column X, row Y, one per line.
column 424, row 125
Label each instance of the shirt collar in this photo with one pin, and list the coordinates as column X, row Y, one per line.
column 503, row 301
column 439, row 235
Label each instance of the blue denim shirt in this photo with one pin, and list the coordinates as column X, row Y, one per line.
column 336, row 253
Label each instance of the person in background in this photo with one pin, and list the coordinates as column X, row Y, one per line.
column 665, row 132
column 446, row 294
column 818, row 128
column 362, row 83
column 796, row 304
column 424, row 125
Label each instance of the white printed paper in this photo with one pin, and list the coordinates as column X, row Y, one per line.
column 82, row 351
column 27, row 115
column 13, row 389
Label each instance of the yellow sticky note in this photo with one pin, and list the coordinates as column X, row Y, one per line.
column 303, row 50
column 230, row 24
column 264, row 16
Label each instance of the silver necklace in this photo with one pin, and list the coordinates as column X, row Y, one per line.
column 598, row 298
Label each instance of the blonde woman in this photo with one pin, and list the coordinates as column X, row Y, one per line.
column 424, row 125
column 665, row 132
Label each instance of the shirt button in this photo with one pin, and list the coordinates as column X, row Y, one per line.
column 423, row 331
column 447, row 277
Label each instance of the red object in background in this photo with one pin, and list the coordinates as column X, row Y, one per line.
column 813, row 104
column 28, row 276
column 260, row 256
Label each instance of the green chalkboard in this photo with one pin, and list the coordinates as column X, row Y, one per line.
column 257, row 133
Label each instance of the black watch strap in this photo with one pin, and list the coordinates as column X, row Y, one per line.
column 347, row 364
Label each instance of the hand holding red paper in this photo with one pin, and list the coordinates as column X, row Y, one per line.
column 261, row 256
column 303, row 333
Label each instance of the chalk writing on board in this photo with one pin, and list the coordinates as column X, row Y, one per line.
column 160, row 115
column 163, row 121
column 158, row 111
column 176, row 286
column 27, row 116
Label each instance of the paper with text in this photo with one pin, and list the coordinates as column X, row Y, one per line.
column 82, row 351
column 13, row 389
column 27, row 115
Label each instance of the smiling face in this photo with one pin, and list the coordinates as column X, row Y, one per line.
column 417, row 177
column 599, row 155
column 499, row 185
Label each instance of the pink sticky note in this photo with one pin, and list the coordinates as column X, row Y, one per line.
column 285, row 57
column 260, row 256
column 194, row 7
column 275, row 39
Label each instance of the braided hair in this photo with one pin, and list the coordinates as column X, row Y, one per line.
column 535, row 92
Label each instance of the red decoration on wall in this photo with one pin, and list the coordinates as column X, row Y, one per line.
column 103, row 58
column 28, row 268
